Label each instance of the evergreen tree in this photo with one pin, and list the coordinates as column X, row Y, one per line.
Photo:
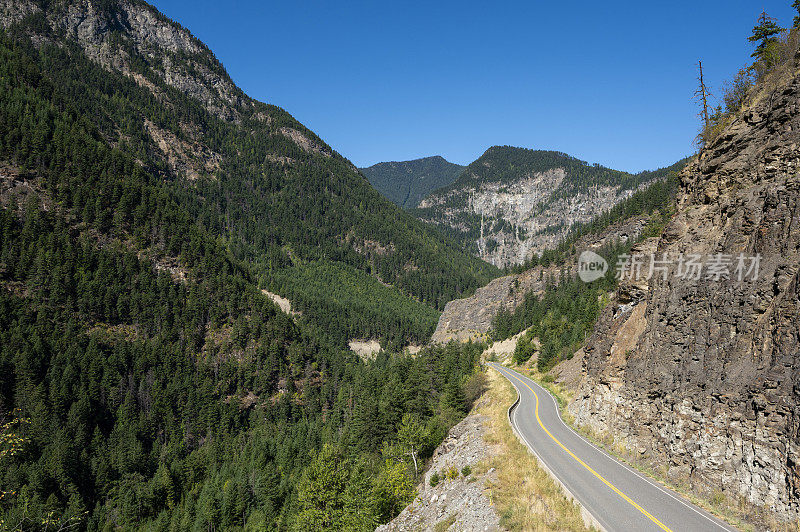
column 326, row 497
column 453, row 398
column 766, row 41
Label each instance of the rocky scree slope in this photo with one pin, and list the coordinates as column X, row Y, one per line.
column 701, row 377
column 513, row 202
column 405, row 183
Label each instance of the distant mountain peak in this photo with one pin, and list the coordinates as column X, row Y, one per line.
column 407, row 182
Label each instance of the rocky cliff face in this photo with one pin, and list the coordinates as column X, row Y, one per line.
column 703, row 375
column 114, row 37
column 514, row 221
column 471, row 318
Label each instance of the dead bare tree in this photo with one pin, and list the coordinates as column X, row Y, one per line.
column 703, row 94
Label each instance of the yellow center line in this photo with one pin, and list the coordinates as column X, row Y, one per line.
column 581, row 462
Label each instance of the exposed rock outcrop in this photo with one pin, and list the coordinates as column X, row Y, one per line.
column 283, row 303
column 520, row 206
column 702, row 376
column 471, row 318
column 366, row 349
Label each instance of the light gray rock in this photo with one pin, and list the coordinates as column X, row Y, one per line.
column 534, row 217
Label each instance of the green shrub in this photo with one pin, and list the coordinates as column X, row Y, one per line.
column 525, row 349
column 434, row 480
column 474, row 387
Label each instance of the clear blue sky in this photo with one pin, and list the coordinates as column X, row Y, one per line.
column 609, row 82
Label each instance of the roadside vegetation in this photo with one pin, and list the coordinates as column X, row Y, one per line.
column 524, row 494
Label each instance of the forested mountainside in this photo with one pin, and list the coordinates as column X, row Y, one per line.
column 407, row 182
column 244, row 170
column 146, row 379
column 512, row 203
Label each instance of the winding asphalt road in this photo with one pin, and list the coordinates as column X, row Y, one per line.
column 618, row 497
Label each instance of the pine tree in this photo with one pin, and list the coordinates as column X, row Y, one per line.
column 765, row 35
column 366, row 417
column 391, row 405
column 330, row 496
column 164, row 488
column 319, row 493
column 702, row 94
column 453, row 398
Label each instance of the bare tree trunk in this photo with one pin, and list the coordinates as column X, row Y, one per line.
column 702, row 93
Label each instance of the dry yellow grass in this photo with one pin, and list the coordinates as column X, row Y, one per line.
column 525, row 496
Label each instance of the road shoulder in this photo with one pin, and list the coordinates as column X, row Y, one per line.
column 526, row 496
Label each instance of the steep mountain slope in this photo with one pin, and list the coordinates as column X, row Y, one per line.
column 243, row 169
column 407, row 182
column 513, row 202
column 701, row 375
column 146, row 378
